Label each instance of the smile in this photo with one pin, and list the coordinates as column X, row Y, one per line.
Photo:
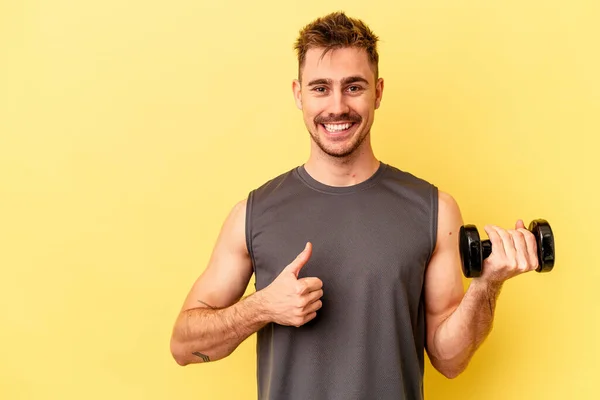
column 336, row 128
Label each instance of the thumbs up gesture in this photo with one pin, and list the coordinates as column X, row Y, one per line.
column 291, row 301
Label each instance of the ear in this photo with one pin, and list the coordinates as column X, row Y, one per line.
column 378, row 92
column 297, row 89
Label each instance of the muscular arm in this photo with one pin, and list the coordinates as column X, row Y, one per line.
column 457, row 322
column 204, row 334
column 213, row 322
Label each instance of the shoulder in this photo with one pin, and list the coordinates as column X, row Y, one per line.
column 447, row 204
column 449, row 219
column 235, row 222
column 273, row 183
column 394, row 172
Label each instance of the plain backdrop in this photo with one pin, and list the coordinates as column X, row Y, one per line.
column 128, row 130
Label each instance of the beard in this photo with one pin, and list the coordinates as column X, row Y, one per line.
column 342, row 148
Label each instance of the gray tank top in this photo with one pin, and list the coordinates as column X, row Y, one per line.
column 371, row 245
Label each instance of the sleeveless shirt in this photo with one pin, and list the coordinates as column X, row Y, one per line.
column 371, row 245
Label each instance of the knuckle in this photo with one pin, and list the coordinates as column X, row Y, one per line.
column 300, row 286
column 523, row 267
column 518, row 235
column 524, row 232
column 530, row 239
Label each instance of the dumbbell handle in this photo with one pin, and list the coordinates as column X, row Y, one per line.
column 486, row 248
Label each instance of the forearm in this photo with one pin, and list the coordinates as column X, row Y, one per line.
column 459, row 336
column 209, row 334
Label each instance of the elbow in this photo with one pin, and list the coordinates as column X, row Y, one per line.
column 184, row 356
column 447, row 370
column 450, row 368
column 450, row 373
column 180, row 360
column 178, row 354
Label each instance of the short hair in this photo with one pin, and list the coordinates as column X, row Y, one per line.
column 335, row 31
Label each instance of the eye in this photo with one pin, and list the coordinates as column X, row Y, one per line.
column 319, row 89
column 354, row 88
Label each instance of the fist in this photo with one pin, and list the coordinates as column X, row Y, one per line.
column 291, row 301
column 514, row 252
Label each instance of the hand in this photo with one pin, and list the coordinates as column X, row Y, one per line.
column 292, row 301
column 513, row 252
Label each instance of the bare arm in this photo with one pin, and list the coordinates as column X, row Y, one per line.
column 214, row 321
column 458, row 322
column 204, row 334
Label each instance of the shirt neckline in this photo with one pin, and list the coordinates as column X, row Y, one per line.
column 311, row 182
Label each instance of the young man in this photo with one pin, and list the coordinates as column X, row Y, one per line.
column 379, row 280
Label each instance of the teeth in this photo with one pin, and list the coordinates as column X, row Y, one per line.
column 337, row 127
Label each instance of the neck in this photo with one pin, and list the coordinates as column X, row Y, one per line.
column 347, row 171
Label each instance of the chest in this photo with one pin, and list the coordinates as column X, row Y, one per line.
column 379, row 244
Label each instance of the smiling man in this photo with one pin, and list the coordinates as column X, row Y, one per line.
column 378, row 282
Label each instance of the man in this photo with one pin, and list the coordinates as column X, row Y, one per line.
column 379, row 280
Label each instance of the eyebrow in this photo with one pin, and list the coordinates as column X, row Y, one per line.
column 344, row 81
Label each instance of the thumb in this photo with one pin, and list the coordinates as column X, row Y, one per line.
column 520, row 224
column 302, row 258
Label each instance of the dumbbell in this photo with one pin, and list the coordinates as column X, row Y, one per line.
column 473, row 250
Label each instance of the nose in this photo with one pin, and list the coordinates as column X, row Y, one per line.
column 338, row 104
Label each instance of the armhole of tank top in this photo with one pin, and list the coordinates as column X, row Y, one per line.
column 434, row 218
column 249, row 229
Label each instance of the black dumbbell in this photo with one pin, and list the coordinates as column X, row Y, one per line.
column 473, row 250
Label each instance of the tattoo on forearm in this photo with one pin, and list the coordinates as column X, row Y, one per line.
column 207, row 305
column 204, row 357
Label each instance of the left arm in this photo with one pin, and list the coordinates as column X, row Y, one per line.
column 458, row 322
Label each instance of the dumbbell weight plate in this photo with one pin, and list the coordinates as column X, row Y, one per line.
column 545, row 244
column 470, row 251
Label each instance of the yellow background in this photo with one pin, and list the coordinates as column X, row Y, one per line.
column 129, row 129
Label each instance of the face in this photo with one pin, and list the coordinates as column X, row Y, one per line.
column 338, row 96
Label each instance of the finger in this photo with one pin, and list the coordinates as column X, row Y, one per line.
column 531, row 248
column 313, row 307
column 312, row 283
column 310, row 317
column 496, row 240
column 509, row 247
column 521, row 250
column 314, row 296
column 300, row 260
column 519, row 225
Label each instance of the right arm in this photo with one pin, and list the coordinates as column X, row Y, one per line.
column 213, row 321
column 203, row 334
